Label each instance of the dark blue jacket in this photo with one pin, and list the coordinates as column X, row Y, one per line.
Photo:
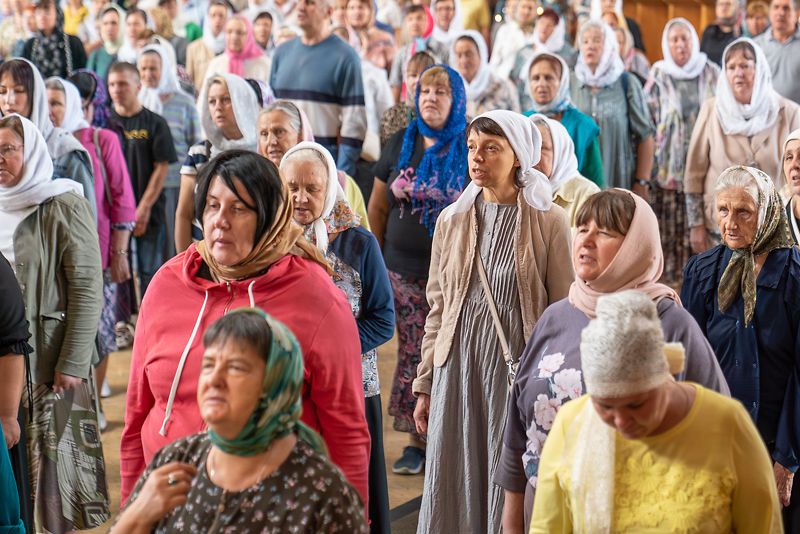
column 761, row 362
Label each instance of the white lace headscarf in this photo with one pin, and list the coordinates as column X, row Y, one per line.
column 697, row 61
column 761, row 112
column 480, row 82
column 622, row 353
column 150, row 97
column 526, row 141
column 610, row 67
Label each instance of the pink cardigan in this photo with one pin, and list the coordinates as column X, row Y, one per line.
column 119, row 181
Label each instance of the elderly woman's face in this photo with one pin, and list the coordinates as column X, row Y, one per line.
column 741, row 73
column 679, row 40
column 635, row 416
column 791, row 165
column 57, row 101
column 592, row 47
column 737, row 215
column 13, row 97
column 544, row 28
column 276, row 135
column 468, row 58
column 229, row 389
column 235, row 34
column 545, row 165
column 308, row 183
column 229, row 225
column 435, row 102
column 544, row 82
column 593, row 250
column 491, row 160
column 11, row 161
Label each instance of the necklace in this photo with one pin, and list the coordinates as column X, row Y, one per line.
column 212, row 472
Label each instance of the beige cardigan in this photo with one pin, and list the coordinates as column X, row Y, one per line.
column 711, row 152
column 544, row 275
column 198, row 56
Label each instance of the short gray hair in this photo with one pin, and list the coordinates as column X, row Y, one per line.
column 54, row 84
column 306, row 155
column 540, row 121
column 738, row 177
column 591, row 24
column 289, row 109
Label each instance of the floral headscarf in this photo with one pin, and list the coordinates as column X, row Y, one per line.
column 772, row 233
column 280, row 405
column 440, row 176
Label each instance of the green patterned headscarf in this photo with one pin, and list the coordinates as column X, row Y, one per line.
column 280, row 406
column 772, row 233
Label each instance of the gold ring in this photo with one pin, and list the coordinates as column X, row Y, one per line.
column 172, row 480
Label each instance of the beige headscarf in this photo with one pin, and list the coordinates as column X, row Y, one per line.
column 638, row 265
column 285, row 237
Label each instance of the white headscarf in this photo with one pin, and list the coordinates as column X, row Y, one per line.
column 761, row 112
column 245, row 111
column 597, row 10
column 59, row 141
column 697, row 61
column 150, row 97
column 214, row 43
column 74, row 119
column 555, row 42
column 611, row 66
column 127, row 52
column 36, row 184
column 480, row 82
column 333, row 194
column 456, row 25
column 526, row 141
column 562, row 100
column 565, row 163
column 277, row 21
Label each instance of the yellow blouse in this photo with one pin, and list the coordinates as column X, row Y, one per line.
column 709, row 474
column 73, row 20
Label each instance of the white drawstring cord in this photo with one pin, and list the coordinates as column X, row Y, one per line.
column 178, row 373
column 250, row 292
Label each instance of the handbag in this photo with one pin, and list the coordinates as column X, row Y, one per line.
column 511, row 363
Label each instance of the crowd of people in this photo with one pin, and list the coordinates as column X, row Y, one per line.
column 267, row 191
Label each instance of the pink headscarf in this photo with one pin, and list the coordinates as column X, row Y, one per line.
column 638, row 265
column 251, row 49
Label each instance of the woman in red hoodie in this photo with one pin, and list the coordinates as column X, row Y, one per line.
column 253, row 255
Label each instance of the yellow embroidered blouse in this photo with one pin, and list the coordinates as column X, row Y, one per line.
column 709, row 474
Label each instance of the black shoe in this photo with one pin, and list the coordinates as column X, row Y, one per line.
column 411, row 463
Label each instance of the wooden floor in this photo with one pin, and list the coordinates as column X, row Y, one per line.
column 402, row 489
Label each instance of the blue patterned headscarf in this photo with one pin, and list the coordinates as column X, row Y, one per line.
column 99, row 99
column 280, row 405
column 440, row 176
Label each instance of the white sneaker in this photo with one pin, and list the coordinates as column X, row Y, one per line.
column 105, row 391
column 101, row 421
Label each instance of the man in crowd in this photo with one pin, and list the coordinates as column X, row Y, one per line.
column 322, row 75
column 781, row 44
column 148, row 152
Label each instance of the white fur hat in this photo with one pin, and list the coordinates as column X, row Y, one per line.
column 623, row 351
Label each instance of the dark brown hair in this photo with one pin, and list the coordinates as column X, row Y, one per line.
column 556, row 64
column 487, row 126
column 422, row 60
column 415, row 8
column 611, row 209
column 744, row 47
column 22, row 73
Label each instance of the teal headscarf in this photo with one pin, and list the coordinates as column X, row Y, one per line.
column 280, row 406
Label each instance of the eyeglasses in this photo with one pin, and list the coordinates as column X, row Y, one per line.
column 9, row 151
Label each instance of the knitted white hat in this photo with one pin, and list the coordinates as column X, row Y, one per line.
column 623, row 351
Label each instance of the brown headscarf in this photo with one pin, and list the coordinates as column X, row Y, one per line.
column 285, row 237
column 638, row 265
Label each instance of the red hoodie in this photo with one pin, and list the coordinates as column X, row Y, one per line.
column 295, row 291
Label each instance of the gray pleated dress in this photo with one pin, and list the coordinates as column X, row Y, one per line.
column 469, row 393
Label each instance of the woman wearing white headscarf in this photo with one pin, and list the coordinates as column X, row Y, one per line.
column 546, row 87
column 136, row 23
column 486, row 91
column 200, row 52
column 514, row 34
column 559, row 164
column 446, row 36
column 506, row 225
column 47, row 232
column 112, row 19
column 790, row 173
column 602, row 89
column 70, row 159
column 745, row 124
column 321, row 208
column 233, row 126
column 677, row 87
column 598, row 7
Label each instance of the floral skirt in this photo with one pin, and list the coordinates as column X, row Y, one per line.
column 411, row 310
column 65, row 455
column 669, row 205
